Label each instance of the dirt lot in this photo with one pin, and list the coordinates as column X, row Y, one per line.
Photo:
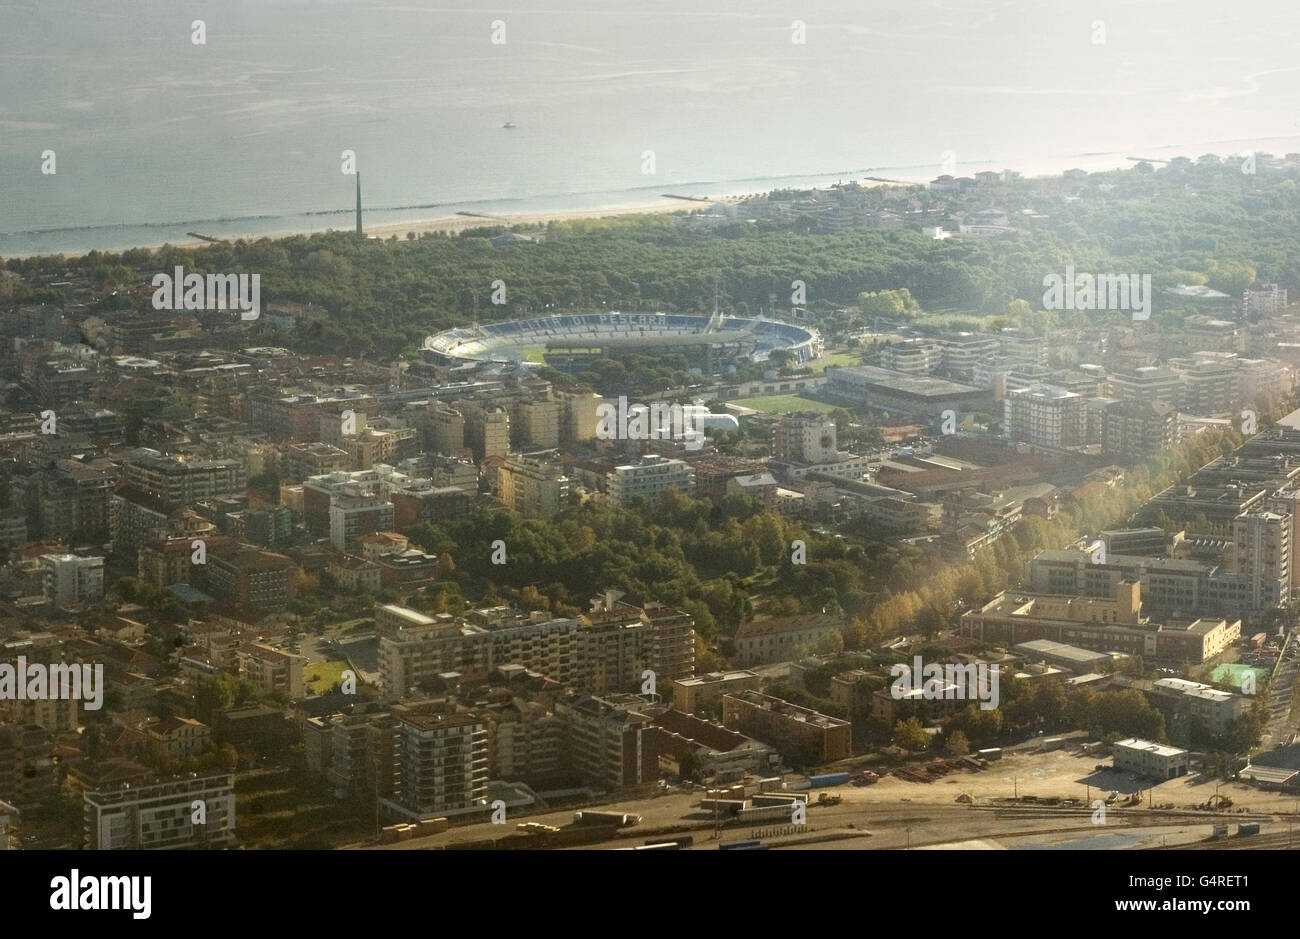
column 895, row 813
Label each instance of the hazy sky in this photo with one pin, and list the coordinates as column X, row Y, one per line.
column 149, row 127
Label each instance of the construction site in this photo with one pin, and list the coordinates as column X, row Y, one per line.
column 1032, row 799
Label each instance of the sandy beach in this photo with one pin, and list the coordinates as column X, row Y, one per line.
column 458, row 223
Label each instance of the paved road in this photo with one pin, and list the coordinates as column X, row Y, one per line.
column 1281, row 722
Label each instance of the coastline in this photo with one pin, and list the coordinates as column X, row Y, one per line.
column 695, row 196
column 459, row 223
column 447, row 224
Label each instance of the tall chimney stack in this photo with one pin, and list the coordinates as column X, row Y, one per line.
column 360, row 233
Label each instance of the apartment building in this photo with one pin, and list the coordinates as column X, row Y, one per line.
column 162, row 562
column 609, row 741
column 1262, row 554
column 178, row 737
column 442, row 762
column 319, row 492
column 536, row 424
column 1209, row 384
column 805, row 437
column 160, row 815
column 443, row 427
column 578, row 420
column 250, row 577
column 66, row 501
column 414, row 655
column 353, row 513
column 28, row 773
column 912, row 357
column 706, row 691
column 1264, row 301
column 966, row 354
column 524, row 743
column 605, row 650
column 1213, row 709
column 1147, row 383
column 175, row 481
column 299, row 461
column 672, row 649
column 1139, row 430
column 1045, row 416
column 533, row 488
column 56, row 715
column 271, row 670
column 487, row 432
column 649, row 478
column 799, row 734
column 72, row 582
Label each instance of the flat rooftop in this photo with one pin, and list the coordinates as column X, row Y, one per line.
column 1133, row 743
column 921, row 385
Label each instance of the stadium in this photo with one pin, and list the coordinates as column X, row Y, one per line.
column 712, row 341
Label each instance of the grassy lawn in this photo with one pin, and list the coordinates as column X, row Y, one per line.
column 319, row 677
column 290, row 809
column 837, row 358
column 1234, row 674
column 783, row 404
column 535, row 355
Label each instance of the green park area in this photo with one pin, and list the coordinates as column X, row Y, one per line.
column 1234, row 674
column 783, row 404
column 320, row 677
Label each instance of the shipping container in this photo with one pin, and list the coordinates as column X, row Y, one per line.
column 769, row 784
column 738, row 845
column 682, row 841
column 778, row 798
column 992, row 753
column 1247, row 828
column 828, row 779
column 621, row 819
column 800, row 783
column 766, row 813
column 722, row 806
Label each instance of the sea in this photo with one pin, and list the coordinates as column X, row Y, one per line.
column 119, row 128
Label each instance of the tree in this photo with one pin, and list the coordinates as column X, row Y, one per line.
column 832, row 643
column 688, row 767
column 780, row 358
column 957, row 744
column 228, row 757
column 910, row 735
